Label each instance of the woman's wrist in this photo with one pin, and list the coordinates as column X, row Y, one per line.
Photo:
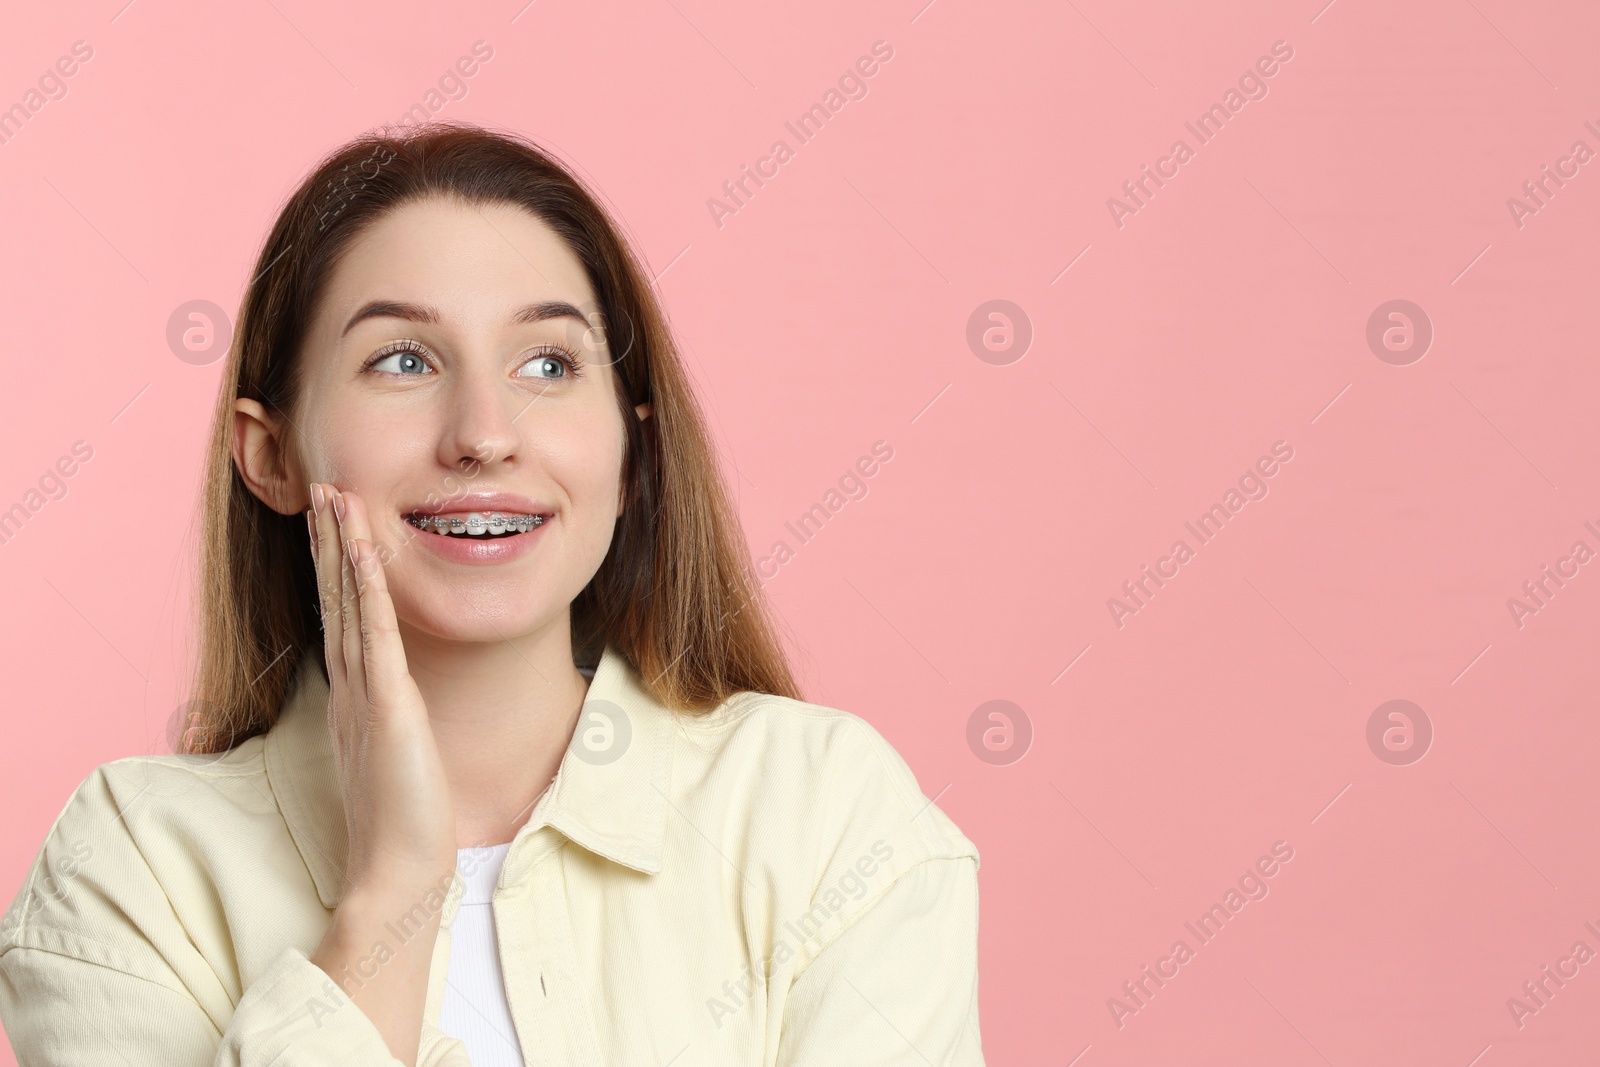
column 400, row 904
column 379, row 949
column 396, row 884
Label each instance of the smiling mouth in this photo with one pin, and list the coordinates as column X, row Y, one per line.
column 484, row 525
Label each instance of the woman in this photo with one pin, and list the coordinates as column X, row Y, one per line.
column 496, row 760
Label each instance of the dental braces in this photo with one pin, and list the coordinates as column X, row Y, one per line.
column 460, row 525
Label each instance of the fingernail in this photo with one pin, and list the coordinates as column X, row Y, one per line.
column 351, row 545
column 338, row 504
column 317, row 501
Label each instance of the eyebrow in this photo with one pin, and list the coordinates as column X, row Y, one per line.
column 402, row 309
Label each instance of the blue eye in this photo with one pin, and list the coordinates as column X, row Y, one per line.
column 552, row 366
column 409, row 359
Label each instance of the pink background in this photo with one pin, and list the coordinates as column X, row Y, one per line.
column 831, row 311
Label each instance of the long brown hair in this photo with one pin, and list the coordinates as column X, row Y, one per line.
column 676, row 594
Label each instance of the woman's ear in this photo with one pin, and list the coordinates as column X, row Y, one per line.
column 643, row 410
column 264, row 460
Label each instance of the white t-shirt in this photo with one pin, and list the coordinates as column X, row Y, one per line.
column 474, row 1007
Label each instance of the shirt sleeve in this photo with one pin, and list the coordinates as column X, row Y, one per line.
column 100, row 970
column 60, row 1010
column 899, row 986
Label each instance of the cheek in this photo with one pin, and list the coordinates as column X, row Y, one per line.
column 361, row 449
column 584, row 457
column 591, row 480
column 375, row 456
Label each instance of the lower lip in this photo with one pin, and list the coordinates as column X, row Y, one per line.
column 481, row 550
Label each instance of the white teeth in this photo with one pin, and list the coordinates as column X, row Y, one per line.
column 477, row 523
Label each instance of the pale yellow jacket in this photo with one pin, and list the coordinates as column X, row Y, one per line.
column 765, row 885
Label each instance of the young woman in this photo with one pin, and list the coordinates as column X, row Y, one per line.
column 494, row 757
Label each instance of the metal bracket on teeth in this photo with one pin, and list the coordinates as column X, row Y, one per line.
column 463, row 525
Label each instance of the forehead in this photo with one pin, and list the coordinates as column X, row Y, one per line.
column 474, row 262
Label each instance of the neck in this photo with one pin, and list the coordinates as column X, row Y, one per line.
column 503, row 712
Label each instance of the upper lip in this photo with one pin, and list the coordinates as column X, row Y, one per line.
column 508, row 503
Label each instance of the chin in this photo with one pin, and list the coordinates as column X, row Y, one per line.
column 451, row 615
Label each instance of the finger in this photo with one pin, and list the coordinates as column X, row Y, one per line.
column 383, row 653
column 316, row 568
column 328, row 583
column 353, row 527
column 350, row 604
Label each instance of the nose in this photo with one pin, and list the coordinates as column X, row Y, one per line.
column 480, row 425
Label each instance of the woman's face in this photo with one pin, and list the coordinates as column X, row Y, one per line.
column 413, row 410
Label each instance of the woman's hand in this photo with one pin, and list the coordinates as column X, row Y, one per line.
column 399, row 816
column 398, row 810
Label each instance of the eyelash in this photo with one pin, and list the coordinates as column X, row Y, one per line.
column 548, row 352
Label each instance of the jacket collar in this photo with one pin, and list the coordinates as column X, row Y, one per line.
column 615, row 809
